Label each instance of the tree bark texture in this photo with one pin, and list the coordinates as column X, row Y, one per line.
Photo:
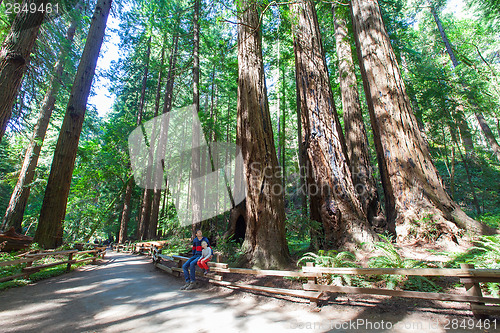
column 125, row 217
column 355, row 131
column 413, row 188
column 331, row 185
column 19, row 198
column 15, row 56
column 49, row 233
column 265, row 244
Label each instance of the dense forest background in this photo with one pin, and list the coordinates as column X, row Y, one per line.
column 450, row 66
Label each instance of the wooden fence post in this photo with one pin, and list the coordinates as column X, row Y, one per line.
column 314, row 302
column 28, row 264
column 473, row 289
column 70, row 257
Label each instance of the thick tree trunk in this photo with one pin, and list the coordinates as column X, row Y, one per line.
column 15, row 56
column 265, row 244
column 488, row 134
column 50, row 226
column 355, row 131
column 15, row 211
column 343, row 220
column 125, row 217
column 412, row 186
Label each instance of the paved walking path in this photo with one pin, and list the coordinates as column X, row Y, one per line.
column 125, row 293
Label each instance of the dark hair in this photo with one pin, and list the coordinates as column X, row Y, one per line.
column 198, row 230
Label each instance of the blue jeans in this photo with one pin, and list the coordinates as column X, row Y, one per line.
column 191, row 263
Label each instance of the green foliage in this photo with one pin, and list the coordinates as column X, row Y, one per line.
column 425, row 229
column 484, row 254
column 230, row 249
column 391, row 258
column 334, row 258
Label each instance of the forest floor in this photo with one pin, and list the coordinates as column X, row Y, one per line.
column 125, row 293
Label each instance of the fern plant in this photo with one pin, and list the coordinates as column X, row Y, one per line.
column 488, row 248
column 392, row 259
column 334, row 258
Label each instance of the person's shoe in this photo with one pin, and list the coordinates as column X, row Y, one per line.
column 192, row 285
column 185, row 286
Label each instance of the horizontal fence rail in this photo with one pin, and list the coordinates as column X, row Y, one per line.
column 30, row 258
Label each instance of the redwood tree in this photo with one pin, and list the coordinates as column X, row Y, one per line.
column 265, row 244
column 19, row 198
column 330, row 184
column 355, row 132
column 15, row 56
column 412, row 186
column 49, row 232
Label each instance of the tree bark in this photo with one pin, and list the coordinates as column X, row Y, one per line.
column 196, row 195
column 49, row 233
column 15, row 56
column 155, row 203
column 19, row 198
column 355, row 131
column 265, row 244
column 145, row 217
column 125, row 217
column 413, row 188
column 341, row 215
column 151, row 214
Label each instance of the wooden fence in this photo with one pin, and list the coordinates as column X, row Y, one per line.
column 466, row 274
column 29, row 259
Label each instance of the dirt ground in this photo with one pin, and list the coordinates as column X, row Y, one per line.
column 126, row 293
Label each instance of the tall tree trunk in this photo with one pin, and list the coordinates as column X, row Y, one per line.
column 125, row 216
column 15, row 211
column 151, row 214
column 343, row 220
column 413, row 188
column 155, row 203
column 50, row 225
column 147, row 194
column 15, row 56
column 196, row 195
column 355, row 131
column 265, row 244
